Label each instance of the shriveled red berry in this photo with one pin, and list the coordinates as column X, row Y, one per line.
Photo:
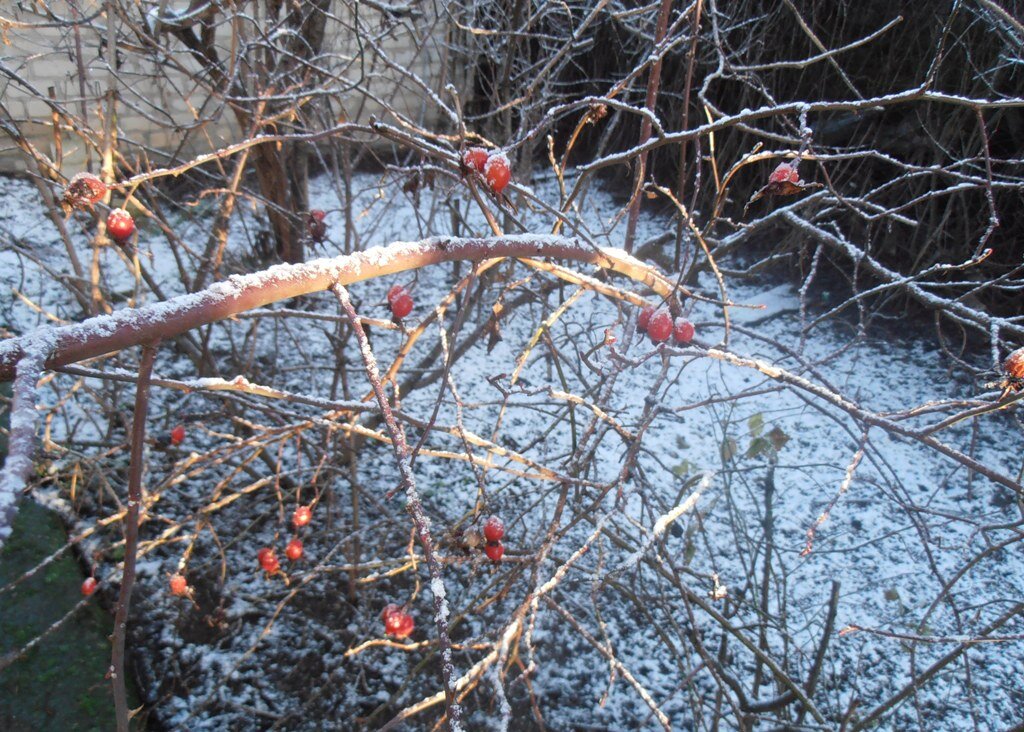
column 179, row 585
column 178, row 435
column 401, row 306
column 660, row 327
column 497, row 172
column 494, row 550
column 83, row 191
column 120, row 224
column 315, row 226
column 683, row 331
column 494, row 529
column 302, row 516
column 644, row 319
column 475, row 158
column 294, row 550
column 89, row 586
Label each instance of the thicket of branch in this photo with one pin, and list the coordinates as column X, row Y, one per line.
column 905, row 128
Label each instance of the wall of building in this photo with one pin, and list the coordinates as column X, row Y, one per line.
column 54, row 69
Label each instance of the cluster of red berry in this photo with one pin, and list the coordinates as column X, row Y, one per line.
column 400, row 302
column 397, row 622
column 85, row 190
column 494, row 530
column 268, row 558
column 493, row 166
column 294, row 549
column 658, row 324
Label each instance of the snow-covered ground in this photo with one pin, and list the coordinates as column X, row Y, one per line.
column 254, row 652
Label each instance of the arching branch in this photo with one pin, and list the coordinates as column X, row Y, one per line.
column 131, row 327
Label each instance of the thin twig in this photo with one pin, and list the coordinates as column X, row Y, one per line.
column 452, row 710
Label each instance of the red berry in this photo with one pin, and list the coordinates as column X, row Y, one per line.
column 683, row 331
column 494, row 529
column 494, row 550
column 178, row 435
column 294, row 550
column 387, row 613
column 401, row 306
column 89, row 586
column 302, row 516
column 317, row 214
column 475, row 158
column 179, row 586
column 497, row 172
column 268, row 560
column 397, row 622
column 120, row 224
column 395, row 292
column 405, row 626
column 644, row 318
column 660, row 327
column 784, row 173
column 83, row 191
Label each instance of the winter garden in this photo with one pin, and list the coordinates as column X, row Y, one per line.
column 511, row 366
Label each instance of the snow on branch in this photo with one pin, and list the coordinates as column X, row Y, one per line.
column 130, row 327
column 21, row 444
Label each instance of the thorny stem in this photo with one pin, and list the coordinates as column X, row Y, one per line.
column 131, row 535
column 420, row 519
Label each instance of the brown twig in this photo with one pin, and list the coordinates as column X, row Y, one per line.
column 131, row 536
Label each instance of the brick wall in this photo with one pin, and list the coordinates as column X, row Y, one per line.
column 176, row 118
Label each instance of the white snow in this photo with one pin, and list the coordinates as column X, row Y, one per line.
column 908, row 521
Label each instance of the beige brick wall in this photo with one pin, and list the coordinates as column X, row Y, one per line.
column 177, row 112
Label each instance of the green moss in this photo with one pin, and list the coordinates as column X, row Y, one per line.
column 60, row 684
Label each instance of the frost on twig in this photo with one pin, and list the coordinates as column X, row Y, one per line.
column 664, row 521
column 21, row 446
